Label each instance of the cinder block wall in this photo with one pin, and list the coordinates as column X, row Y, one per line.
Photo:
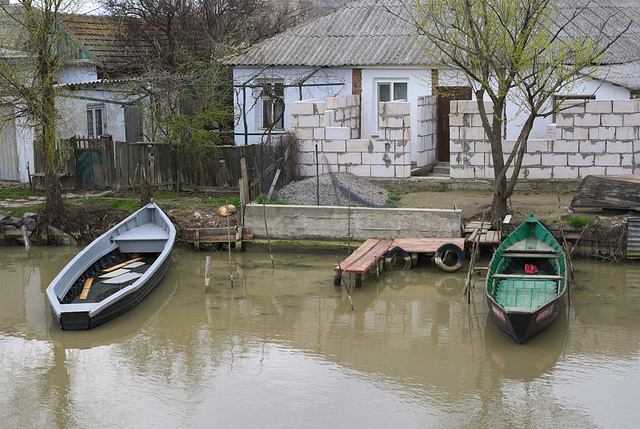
column 599, row 137
column 427, row 131
column 332, row 129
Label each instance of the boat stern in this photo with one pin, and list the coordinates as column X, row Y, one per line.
column 78, row 320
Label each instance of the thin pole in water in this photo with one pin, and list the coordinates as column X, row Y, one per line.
column 317, row 179
column 472, row 263
column 207, row 266
column 349, row 223
column 565, row 247
column 345, row 283
column 229, row 243
column 266, row 230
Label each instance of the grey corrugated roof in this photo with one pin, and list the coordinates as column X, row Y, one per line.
column 626, row 75
column 365, row 33
column 613, row 16
column 361, row 33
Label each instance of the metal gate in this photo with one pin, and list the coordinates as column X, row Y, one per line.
column 89, row 166
column 8, row 146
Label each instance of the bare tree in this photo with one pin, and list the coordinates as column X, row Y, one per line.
column 524, row 51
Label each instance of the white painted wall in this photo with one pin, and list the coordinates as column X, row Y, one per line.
column 418, row 84
column 75, row 74
column 24, row 140
column 74, row 114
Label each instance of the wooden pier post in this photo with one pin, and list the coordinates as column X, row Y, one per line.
column 27, row 245
column 207, row 266
column 229, row 244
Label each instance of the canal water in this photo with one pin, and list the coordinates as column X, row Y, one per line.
column 283, row 348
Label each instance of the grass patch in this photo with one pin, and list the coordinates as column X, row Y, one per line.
column 113, row 203
column 18, row 212
column 262, row 198
column 15, row 193
column 578, row 222
column 393, row 197
column 221, row 201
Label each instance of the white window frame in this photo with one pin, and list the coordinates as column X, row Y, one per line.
column 95, row 127
column 268, row 105
column 393, row 96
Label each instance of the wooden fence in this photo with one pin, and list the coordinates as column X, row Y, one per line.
column 109, row 164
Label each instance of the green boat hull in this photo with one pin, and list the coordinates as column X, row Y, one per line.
column 526, row 283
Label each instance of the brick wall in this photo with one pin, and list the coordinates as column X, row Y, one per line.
column 599, row 137
column 333, row 130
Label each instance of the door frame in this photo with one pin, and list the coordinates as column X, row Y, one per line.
column 444, row 96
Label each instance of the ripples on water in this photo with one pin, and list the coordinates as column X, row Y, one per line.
column 283, row 349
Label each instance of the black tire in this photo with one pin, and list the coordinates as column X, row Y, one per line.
column 397, row 259
column 441, row 256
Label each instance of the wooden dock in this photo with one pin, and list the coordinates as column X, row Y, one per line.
column 364, row 259
column 369, row 257
column 488, row 237
column 234, row 234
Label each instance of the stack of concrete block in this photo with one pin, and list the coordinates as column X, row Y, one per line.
column 344, row 112
column 427, row 131
column 596, row 137
column 326, row 147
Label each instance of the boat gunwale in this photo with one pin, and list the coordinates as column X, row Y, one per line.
column 95, row 308
column 499, row 256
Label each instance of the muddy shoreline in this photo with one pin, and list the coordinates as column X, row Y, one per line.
column 88, row 219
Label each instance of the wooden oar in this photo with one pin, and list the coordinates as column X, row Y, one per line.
column 85, row 290
column 115, row 267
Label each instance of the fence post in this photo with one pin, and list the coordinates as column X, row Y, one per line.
column 245, row 180
column 107, row 158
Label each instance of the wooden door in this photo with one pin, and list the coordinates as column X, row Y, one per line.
column 445, row 94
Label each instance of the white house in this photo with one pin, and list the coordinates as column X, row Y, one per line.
column 91, row 101
column 364, row 49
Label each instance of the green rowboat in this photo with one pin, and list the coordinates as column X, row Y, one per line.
column 526, row 282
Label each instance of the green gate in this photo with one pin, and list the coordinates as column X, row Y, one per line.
column 89, row 166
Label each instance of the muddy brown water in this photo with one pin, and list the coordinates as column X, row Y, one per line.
column 283, row 349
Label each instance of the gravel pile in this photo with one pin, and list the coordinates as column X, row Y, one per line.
column 334, row 191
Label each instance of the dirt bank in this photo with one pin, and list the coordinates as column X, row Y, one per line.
column 89, row 218
column 472, row 202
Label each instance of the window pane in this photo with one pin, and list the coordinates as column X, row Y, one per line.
column 90, row 124
column 266, row 113
column 278, row 113
column 98, row 113
column 400, row 91
column 384, row 92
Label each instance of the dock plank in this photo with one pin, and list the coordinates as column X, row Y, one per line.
column 359, row 253
column 369, row 259
column 426, row 245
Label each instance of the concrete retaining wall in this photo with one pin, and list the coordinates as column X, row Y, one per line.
column 331, row 223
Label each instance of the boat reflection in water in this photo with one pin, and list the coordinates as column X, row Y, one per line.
column 526, row 362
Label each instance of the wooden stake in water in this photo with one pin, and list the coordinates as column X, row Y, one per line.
column 472, row 262
column 25, row 237
column 266, row 230
column 317, row 179
column 345, row 283
column 349, row 223
column 207, row 266
column 229, row 244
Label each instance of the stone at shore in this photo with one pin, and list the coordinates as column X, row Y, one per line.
column 61, row 238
